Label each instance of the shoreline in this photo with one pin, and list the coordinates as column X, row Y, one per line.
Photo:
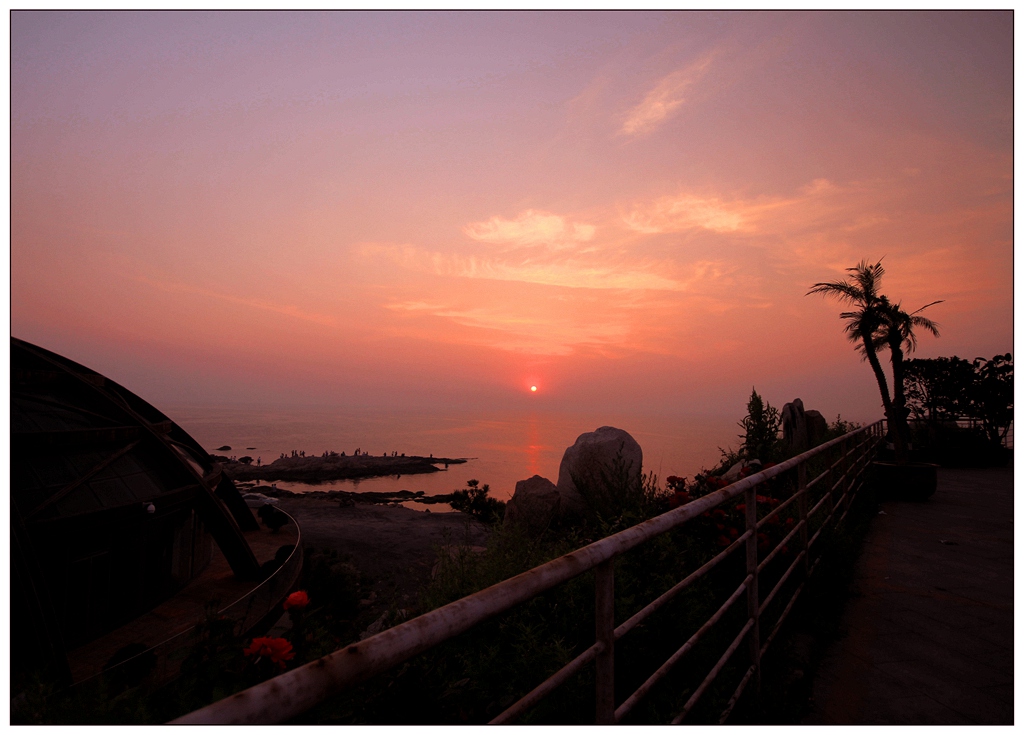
column 332, row 467
column 348, row 498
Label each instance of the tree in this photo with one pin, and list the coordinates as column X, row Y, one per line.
column 950, row 388
column 875, row 324
column 760, row 429
column 937, row 388
column 897, row 332
column 991, row 396
column 863, row 324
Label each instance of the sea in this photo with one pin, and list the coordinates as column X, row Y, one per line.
column 501, row 447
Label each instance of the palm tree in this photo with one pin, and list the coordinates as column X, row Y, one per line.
column 864, row 326
column 897, row 333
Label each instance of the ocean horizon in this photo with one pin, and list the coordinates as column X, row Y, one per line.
column 502, row 446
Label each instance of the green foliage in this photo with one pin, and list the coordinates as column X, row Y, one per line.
column 476, row 501
column 938, row 388
column 992, row 395
column 760, row 430
column 838, row 428
column 950, row 388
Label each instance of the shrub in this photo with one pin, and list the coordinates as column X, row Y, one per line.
column 476, row 501
column 761, row 430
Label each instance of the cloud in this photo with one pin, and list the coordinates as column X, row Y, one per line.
column 685, row 212
column 530, row 228
column 812, row 204
column 285, row 309
column 507, row 327
column 566, row 272
column 661, row 102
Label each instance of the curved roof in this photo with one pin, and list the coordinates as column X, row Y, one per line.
column 82, row 444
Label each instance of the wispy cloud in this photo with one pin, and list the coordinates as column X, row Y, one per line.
column 521, row 329
column 285, row 309
column 572, row 272
column 664, row 99
column 685, row 212
column 688, row 211
column 531, row 228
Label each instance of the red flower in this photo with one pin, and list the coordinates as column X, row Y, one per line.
column 723, row 541
column 790, row 522
column 297, row 600
column 762, row 542
column 278, row 650
column 733, row 532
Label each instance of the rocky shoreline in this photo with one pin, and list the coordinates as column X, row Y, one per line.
column 325, row 468
column 345, row 497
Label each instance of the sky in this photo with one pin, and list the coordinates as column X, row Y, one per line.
column 625, row 210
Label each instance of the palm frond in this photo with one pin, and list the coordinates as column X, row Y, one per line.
column 841, row 290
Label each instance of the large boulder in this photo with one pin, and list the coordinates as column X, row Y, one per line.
column 601, row 461
column 817, row 426
column 794, row 426
column 535, row 504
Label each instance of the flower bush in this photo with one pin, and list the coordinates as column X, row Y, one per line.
column 276, row 650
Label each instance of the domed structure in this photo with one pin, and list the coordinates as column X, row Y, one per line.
column 114, row 508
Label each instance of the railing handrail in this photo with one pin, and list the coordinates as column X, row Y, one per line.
column 292, row 693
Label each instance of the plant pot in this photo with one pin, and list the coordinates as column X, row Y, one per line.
column 908, row 481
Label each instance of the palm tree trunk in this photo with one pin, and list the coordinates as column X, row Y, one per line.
column 899, row 398
column 897, row 438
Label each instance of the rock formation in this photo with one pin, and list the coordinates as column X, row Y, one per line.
column 605, row 461
column 607, row 455
column 535, row 504
column 802, row 429
column 794, row 426
column 817, row 426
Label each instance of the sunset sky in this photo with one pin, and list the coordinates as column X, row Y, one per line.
column 625, row 210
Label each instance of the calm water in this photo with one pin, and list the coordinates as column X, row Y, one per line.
column 503, row 447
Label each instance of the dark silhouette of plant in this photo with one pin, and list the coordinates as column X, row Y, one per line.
column 760, row 430
column 936, row 388
column 475, row 501
column 897, row 333
column 992, row 395
column 876, row 323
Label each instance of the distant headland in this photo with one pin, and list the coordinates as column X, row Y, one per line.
column 331, row 466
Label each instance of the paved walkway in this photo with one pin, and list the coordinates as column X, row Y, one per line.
column 928, row 636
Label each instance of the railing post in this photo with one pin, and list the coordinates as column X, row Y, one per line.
column 604, row 609
column 801, row 506
column 753, row 598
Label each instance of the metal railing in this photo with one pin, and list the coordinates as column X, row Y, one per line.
column 1005, row 440
column 844, row 461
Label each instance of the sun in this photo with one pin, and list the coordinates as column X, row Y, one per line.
column 533, row 388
